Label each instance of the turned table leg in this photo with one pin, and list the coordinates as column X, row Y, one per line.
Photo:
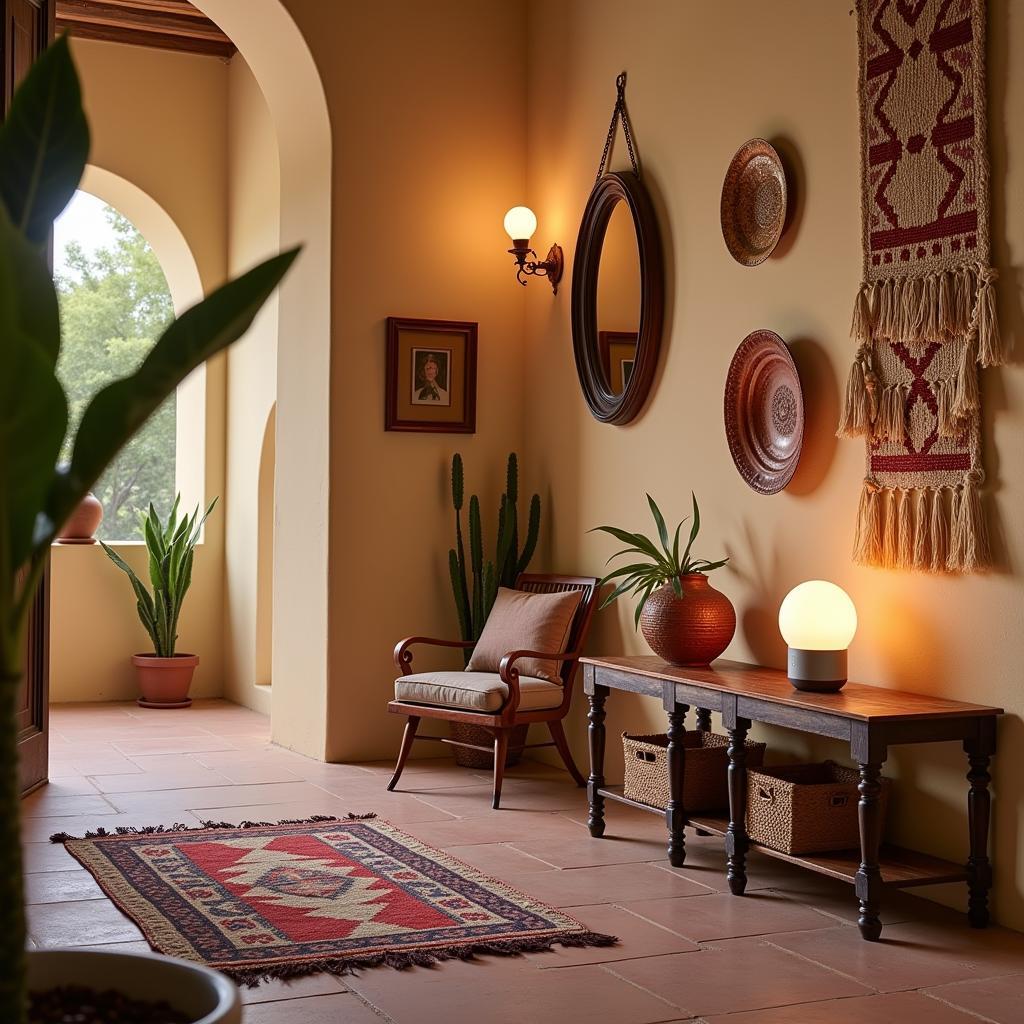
column 595, row 735
column 703, row 725
column 979, row 806
column 736, row 842
column 868, row 881
column 675, row 812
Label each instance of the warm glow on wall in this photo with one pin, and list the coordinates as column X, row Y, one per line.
column 818, row 621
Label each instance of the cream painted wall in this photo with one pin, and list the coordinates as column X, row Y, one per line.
column 159, row 120
column 428, row 129
column 254, row 233
column 699, row 85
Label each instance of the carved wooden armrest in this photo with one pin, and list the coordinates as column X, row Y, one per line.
column 510, row 674
column 403, row 656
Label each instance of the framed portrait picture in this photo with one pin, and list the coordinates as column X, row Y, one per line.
column 430, row 376
column 618, row 353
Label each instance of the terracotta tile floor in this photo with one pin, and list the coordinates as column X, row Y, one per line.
column 787, row 953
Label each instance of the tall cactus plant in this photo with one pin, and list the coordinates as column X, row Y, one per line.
column 475, row 586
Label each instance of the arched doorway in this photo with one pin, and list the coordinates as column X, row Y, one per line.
column 273, row 47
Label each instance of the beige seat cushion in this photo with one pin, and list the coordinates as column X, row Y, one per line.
column 526, row 622
column 475, row 691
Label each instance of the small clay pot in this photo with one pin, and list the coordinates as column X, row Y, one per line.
column 692, row 630
column 164, row 682
column 83, row 523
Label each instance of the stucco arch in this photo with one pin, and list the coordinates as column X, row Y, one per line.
column 273, row 47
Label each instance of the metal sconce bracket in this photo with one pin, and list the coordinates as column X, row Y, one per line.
column 551, row 267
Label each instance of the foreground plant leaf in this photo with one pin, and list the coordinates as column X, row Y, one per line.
column 121, row 408
column 44, row 144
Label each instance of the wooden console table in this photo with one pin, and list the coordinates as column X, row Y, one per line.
column 870, row 718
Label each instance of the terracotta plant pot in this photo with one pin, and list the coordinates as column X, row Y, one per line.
column 692, row 630
column 84, row 522
column 164, row 682
column 204, row 995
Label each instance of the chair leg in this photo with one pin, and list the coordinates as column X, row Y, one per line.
column 403, row 754
column 500, row 753
column 558, row 735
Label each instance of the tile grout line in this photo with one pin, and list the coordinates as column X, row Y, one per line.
column 957, row 1006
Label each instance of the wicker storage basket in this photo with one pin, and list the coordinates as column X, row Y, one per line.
column 464, row 732
column 806, row 808
column 705, row 769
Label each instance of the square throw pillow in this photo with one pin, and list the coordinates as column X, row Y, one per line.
column 532, row 622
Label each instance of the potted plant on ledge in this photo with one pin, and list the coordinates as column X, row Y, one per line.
column 683, row 618
column 44, row 144
column 164, row 675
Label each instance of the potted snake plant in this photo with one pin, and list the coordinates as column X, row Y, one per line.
column 44, row 145
column 683, row 618
column 164, row 675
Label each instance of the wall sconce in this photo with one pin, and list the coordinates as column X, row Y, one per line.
column 520, row 223
column 818, row 621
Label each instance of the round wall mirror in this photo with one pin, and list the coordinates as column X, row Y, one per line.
column 617, row 298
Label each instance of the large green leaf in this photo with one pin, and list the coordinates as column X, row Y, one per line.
column 636, row 540
column 44, row 144
column 694, row 530
column 121, row 408
column 36, row 307
column 33, row 410
column 659, row 521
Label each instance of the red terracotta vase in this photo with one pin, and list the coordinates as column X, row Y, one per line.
column 164, row 682
column 83, row 522
column 692, row 630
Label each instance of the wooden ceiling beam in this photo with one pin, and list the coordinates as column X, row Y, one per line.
column 164, row 24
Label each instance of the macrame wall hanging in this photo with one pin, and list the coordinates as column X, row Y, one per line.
column 925, row 316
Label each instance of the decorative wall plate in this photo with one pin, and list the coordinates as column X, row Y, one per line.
column 754, row 200
column 764, row 412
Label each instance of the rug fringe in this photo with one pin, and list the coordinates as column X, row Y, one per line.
column 943, row 306
column 206, row 826
column 402, row 960
column 918, row 528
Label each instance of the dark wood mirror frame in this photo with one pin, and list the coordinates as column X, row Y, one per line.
column 611, row 189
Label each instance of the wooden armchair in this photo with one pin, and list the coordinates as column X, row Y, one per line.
column 515, row 703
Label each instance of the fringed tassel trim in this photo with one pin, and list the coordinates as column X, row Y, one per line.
column 956, row 398
column 941, row 529
column 206, row 826
column 405, row 958
column 861, row 406
column 968, row 542
column 945, row 306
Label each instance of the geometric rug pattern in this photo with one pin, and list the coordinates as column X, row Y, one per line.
column 268, row 901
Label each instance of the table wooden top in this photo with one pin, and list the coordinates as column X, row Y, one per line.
column 856, row 700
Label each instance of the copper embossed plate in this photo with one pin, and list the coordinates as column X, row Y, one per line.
column 754, row 201
column 764, row 412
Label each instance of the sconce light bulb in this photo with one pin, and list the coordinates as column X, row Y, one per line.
column 520, row 223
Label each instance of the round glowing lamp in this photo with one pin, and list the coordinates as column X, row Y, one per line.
column 520, row 223
column 818, row 621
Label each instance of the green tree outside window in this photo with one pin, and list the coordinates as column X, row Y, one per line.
column 114, row 304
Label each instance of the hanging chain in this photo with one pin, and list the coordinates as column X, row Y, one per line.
column 620, row 111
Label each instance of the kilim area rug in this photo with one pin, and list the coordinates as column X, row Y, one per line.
column 925, row 315
column 264, row 901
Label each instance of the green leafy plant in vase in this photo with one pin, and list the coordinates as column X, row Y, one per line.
column 683, row 618
column 44, row 145
column 164, row 675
